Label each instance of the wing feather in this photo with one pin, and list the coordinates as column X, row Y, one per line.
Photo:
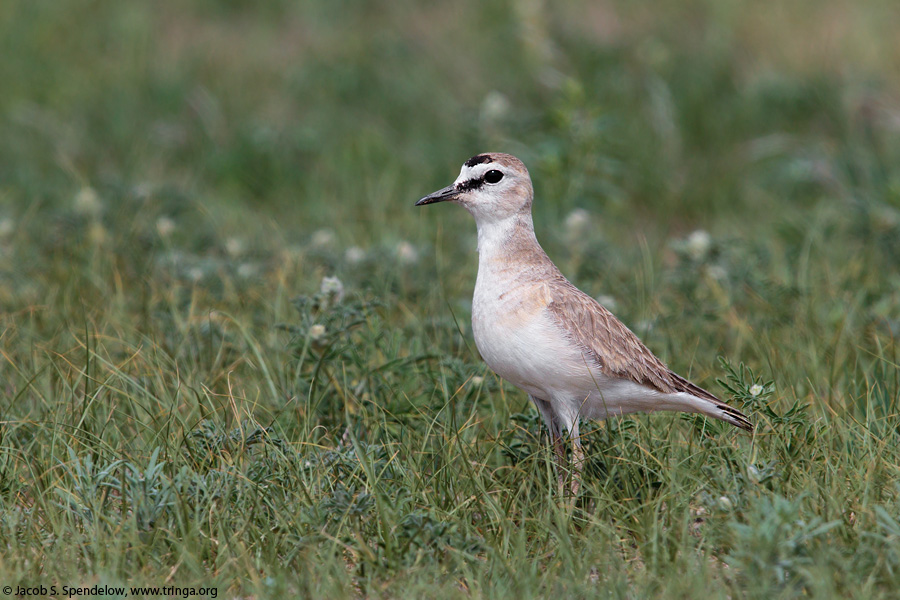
column 607, row 340
column 617, row 350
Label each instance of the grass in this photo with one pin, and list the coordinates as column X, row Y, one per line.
column 186, row 400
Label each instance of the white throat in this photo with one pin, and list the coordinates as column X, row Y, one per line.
column 495, row 235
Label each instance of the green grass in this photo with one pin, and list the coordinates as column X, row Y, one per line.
column 177, row 178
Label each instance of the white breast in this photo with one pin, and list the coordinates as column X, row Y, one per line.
column 518, row 340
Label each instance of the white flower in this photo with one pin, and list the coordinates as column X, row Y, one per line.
column 234, row 247
column 6, row 227
column 322, row 237
column 725, row 503
column 494, row 107
column 165, row 226
column 354, row 255
column 143, row 190
column 87, row 202
column 756, row 390
column 477, row 380
column 645, row 326
column 698, row 244
column 717, row 272
column 406, row 253
column 753, row 474
column 246, row 270
column 195, row 273
column 577, row 222
column 607, row 301
column 316, row 332
column 333, row 288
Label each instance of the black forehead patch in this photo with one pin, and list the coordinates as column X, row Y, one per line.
column 478, row 159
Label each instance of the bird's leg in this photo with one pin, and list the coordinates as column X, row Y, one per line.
column 556, row 438
column 577, row 466
column 562, row 467
column 577, row 461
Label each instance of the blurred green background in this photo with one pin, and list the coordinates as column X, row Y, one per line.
column 183, row 397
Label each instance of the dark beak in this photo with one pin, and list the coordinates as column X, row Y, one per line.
column 448, row 193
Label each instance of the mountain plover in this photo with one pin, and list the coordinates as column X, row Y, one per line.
column 545, row 336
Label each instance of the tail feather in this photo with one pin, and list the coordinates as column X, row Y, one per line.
column 718, row 410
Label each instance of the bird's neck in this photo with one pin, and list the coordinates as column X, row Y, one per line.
column 506, row 236
column 508, row 256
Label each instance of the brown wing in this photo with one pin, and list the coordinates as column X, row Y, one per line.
column 606, row 339
column 618, row 351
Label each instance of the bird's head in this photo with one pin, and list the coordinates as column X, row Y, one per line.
column 492, row 186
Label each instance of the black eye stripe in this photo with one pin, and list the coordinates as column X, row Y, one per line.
column 471, row 184
column 492, row 176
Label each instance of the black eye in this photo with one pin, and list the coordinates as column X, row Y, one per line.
column 493, row 176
